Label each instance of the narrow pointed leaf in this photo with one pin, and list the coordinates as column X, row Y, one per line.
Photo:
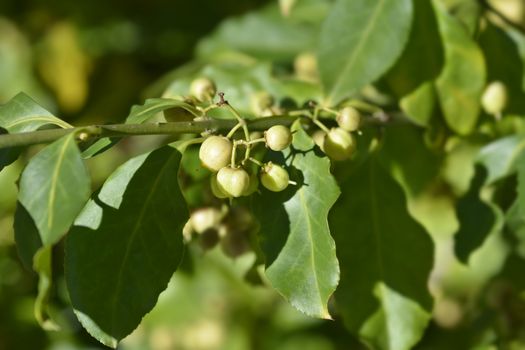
column 383, row 294
column 300, row 253
column 359, row 41
column 54, row 187
column 462, row 80
column 139, row 232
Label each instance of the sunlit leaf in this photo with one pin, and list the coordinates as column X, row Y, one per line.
column 300, row 253
column 500, row 157
column 360, row 40
column 138, row 218
column 54, row 187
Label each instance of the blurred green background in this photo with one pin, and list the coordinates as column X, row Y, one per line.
column 88, row 62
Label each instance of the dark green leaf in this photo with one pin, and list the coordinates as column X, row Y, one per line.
column 54, row 187
column 360, row 40
column 300, row 253
column 382, row 295
column 420, row 63
column 27, row 238
column 504, row 64
column 126, row 245
column 476, row 218
column 462, row 80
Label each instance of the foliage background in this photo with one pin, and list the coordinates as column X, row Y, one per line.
column 90, row 65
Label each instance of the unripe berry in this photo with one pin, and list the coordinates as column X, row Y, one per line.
column 494, row 98
column 274, row 177
column 318, row 137
column 305, row 66
column 278, row 137
column 349, row 118
column 252, row 186
column 233, row 181
column 261, row 102
column 339, row 144
column 203, row 89
column 215, row 152
column 204, row 219
column 215, row 188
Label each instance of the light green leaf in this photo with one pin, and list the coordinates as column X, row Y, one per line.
column 142, row 113
column 300, row 253
column 462, row 80
column 22, row 114
column 137, row 218
column 359, row 41
column 54, row 187
column 382, row 295
column 42, row 265
column 500, row 157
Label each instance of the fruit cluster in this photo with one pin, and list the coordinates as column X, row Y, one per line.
column 231, row 176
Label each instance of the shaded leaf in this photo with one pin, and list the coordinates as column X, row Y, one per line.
column 27, row 238
column 54, row 187
column 462, row 80
column 382, row 294
column 476, row 218
column 300, row 253
column 359, row 41
column 42, row 265
column 137, row 218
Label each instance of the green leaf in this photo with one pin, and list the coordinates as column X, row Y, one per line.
column 359, row 41
column 27, row 238
column 504, row 64
column 265, row 34
column 54, row 187
column 500, row 157
column 22, row 114
column 385, row 258
column 126, row 244
column 476, row 218
column 462, row 80
column 42, row 265
column 142, row 113
column 519, row 39
column 420, row 63
column 300, row 253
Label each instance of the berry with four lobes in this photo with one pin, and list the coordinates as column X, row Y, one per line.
column 203, row 89
column 494, row 99
column 233, row 181
column 204, row 219
column 278, row 137
column 215, row 152
column 274, row 177
column 339, row 144
column 349, row 118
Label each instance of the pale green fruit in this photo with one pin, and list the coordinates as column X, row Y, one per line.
column 349, row 118
column 203, row 89
column 494, row 98
column 318, row 137
column 204, row 219
column 215, row 152
column 233, row 181
column 215, row 188
column 253, row 185
column 339, row 144
column 278, row 137
column 274, row 177
column 261, row 102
